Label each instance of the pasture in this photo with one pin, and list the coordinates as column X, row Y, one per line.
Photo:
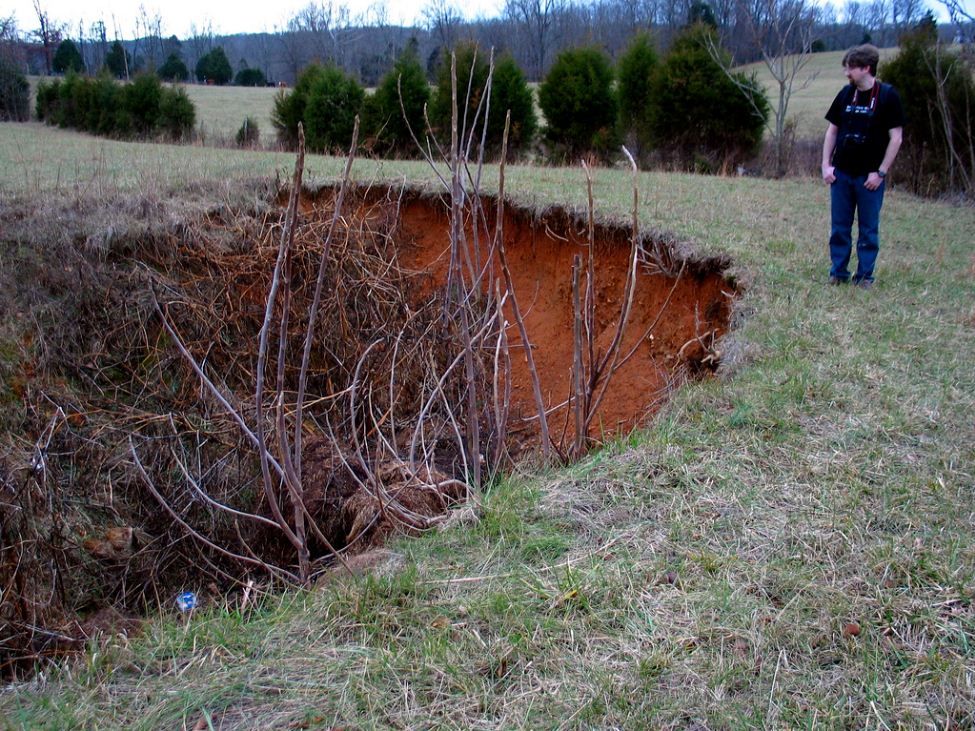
column 787, row 544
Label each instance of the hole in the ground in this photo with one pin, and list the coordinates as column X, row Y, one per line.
column 382, row 396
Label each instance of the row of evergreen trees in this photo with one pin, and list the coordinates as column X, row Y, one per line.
column 684, row 108
column 213, row 67
column 142, row 109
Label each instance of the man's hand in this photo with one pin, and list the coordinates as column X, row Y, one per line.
column 829, row 175
column 873, row 181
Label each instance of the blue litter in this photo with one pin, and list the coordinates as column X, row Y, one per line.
column 186, row 601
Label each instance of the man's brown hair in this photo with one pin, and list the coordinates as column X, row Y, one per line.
column 861, row 57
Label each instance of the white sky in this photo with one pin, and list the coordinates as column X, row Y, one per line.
column 226, row 16
column 246, row 16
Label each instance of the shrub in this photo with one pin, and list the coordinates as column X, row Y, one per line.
column 334, row 100
column 509, row 90
column 14, row 94
column 104, row 107
column 702, row 118
column 214, row 67
column 578, row 102
column 177, row 115
column 250, row 77
column 141, row 100
column 635, row 71
column 48, row 93
column 289, row 107
column 66, row 112
column 249, row 133
column 472, row 72
column 173, row 69
column 106, row 100
column 67, row 58
column 382, row 115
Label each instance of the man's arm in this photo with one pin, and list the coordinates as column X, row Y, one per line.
column 896, row 137
column 829, row 144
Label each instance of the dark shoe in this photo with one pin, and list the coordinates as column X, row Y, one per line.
column 836, row 281
column 865, row 284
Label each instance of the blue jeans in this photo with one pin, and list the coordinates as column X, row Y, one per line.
column 848, row 195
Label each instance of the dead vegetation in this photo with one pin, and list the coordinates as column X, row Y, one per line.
column 255, row 393
column 91, row 373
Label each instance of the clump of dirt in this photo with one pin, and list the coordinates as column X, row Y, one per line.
column 92, row 381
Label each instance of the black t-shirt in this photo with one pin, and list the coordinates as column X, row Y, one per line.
column 864, row 119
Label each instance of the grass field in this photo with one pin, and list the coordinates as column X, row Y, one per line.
column 788, row 545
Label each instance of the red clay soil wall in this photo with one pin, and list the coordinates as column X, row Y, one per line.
column 692, row 311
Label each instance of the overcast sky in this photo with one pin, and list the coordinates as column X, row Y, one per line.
column 246, row 16
column 227, row 16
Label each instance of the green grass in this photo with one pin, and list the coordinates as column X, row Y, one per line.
column 697, row 574
column 220, row 111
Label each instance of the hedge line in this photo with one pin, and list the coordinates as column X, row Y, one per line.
column 144, row 108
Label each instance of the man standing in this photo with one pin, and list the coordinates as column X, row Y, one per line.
column 865, row 130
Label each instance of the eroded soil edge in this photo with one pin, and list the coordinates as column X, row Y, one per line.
column 88, row 371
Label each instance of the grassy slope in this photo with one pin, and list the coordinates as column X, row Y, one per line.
column 827, row 479
column 221, row 110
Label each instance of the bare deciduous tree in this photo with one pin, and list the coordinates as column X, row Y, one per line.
column 536, row 20
column 48, row 34
column 781, row 31
column 443, row 20
column 325, row 25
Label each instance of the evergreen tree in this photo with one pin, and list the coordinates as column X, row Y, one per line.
column 67, row 58
column 141, row 101
column 578, row 102
column 937, row 91
column 14, row 94
column 250, row 77
column 701, row 12
column 384, row 119
column 702, row 118
column 173, row 69
column 118, row 61
column 509, row 90
column 334, row 100
column 472, row 73
column 177, row 115
column 635, row 72
column 214, row 67
column 289, row 107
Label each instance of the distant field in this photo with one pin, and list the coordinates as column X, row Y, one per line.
column 221, row 110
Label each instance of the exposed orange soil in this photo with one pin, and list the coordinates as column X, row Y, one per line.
column 540, row 250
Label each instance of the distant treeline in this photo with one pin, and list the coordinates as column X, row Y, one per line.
column 531, row 32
